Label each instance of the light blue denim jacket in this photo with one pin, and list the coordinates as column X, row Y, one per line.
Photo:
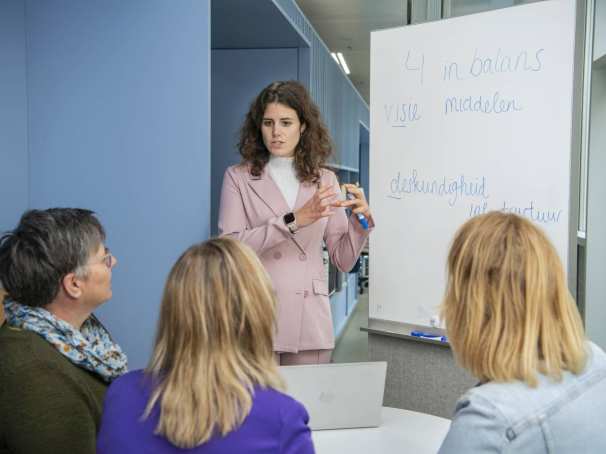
column 555, row 417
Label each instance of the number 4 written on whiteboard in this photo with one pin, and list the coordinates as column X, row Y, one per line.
column 415, row 63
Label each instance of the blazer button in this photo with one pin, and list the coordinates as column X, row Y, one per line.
column 305, row 294
column 302, row 257
column 277, row 255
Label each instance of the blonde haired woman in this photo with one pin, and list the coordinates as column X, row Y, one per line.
column 212, row 385
column 513, row 324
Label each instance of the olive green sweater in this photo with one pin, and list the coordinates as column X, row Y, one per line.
column 47, row 404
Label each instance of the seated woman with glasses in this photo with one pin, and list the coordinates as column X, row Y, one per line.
column 56, row 358
column 513, row 324
column 212, row 384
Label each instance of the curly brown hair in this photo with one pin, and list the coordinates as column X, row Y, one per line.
column 314, row 147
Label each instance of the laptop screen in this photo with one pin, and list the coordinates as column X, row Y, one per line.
column 338, row 396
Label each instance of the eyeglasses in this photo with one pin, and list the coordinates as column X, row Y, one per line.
column 108, row 259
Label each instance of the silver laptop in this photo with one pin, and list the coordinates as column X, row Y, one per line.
column 338, row 396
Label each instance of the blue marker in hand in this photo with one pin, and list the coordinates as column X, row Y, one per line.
column 361, row 218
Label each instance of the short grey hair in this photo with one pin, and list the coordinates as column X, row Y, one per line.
column 43, row 248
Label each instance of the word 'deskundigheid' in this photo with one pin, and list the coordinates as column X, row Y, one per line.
column 451, row 188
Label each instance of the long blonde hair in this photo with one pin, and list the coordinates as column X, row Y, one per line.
column 213, row 343
column 508, row 312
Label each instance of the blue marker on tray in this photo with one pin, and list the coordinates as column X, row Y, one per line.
column 430, row 336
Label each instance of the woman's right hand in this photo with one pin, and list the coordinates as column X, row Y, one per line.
column 319, row 206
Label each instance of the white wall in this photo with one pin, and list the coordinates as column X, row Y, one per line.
column 599, row 37
column 595, row 289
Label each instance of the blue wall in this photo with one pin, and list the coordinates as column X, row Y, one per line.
column 106, row 105
column 13, row 114
column 119, row 122
column 343, row 303
column 238, row 75
column 365, row 160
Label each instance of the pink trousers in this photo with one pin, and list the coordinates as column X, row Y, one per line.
column 303, row 357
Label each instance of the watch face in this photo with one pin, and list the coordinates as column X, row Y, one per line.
column 289, row 218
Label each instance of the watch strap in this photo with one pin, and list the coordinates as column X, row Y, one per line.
column 291, row 222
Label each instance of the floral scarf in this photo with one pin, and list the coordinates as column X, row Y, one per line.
column 91, row 347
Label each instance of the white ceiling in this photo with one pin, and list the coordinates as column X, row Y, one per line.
column 345, row 26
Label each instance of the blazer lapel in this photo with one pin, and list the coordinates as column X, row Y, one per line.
column 269, row 192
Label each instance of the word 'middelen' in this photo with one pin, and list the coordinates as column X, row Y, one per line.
column 483, row 104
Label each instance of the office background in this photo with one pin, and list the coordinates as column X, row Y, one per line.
column 130, row 108
column 109, row 106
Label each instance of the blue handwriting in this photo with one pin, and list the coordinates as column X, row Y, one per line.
column 544, row 216
column 453, row 188
column 497, row 63
column 400, row 114
column 410, row 66
column 484, row 104
column 500, row 63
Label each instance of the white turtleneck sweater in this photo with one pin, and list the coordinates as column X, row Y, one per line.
column 282, row 171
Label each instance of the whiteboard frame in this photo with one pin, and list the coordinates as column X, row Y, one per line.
column 579, row 136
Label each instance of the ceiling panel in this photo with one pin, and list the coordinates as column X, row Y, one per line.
column 345, row 26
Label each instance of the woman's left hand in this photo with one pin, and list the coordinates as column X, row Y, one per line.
column 358, row 203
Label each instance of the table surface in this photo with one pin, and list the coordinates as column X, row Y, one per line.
column 401, row 431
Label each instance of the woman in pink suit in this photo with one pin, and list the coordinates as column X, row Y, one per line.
column 282, row 203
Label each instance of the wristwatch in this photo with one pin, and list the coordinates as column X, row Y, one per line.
column 291, row 222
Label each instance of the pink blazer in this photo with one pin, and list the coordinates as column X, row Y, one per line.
column 251, row 211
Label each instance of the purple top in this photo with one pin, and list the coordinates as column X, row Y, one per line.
column 276, row 424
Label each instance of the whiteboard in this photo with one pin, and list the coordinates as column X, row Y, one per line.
column 467, row 115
